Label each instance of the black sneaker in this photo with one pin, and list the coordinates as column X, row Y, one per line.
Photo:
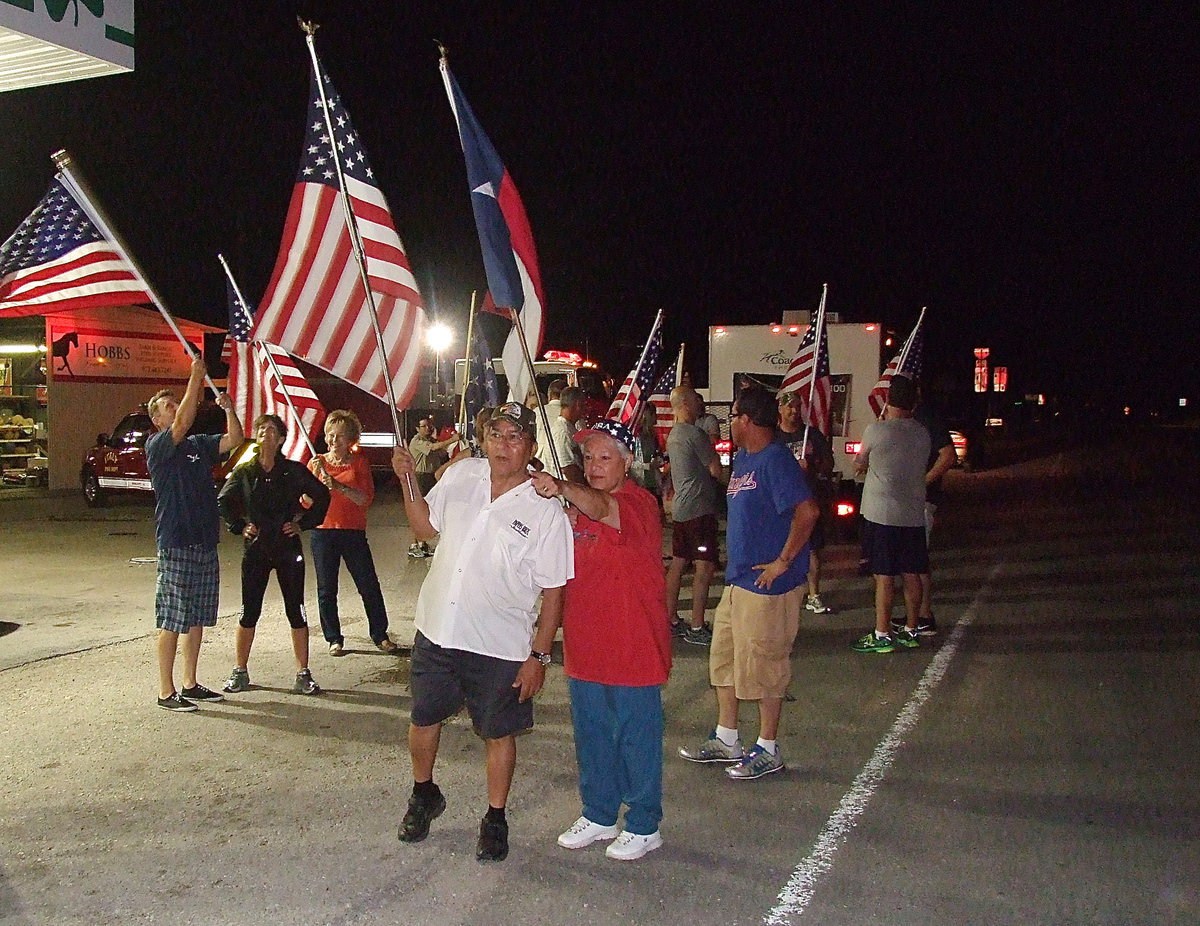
column 926, row 626
column 421, row 812
column 199, row 693
column 176, row 703
column 493, row 841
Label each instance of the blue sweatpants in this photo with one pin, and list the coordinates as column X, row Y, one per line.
column 619, row 748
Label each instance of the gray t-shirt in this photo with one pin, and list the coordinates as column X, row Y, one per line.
column 896, row 451
column 690, row 452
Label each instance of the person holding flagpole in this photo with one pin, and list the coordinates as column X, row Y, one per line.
column 187, row 531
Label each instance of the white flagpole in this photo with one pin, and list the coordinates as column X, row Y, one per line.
column 79, row 189
column 241, row 301
column 637, row 369
column 679, row 366
column 462, row 404
column 360, row 258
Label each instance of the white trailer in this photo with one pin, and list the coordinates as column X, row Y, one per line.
column 741, row 354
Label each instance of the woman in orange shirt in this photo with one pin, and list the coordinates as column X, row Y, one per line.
column 343, row 534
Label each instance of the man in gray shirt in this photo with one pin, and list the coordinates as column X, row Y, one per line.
column 894, row 454
column 695, row 475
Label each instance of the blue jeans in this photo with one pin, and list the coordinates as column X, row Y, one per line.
column 619, row 748
column 329, row 547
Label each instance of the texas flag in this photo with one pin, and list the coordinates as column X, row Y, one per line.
column 509, row 256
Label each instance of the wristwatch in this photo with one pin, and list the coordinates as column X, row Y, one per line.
column 544, row 658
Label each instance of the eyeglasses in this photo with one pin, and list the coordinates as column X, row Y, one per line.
column 515, row 436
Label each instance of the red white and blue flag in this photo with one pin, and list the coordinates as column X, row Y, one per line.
column 627, row 406
column 57, row 260
column 509, row 256
column 256, row 390
column 809, row 376
column 906, row 363
column 660, row 399
column 316, row 306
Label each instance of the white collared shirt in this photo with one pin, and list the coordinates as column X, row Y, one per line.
column 493, row 559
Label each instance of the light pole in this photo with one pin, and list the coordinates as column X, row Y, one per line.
column 438, row 336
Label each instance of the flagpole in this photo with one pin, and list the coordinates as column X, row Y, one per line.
column 360, row 259
column 641, row 360
column 462, row 404
column 812, row 380
column 79, row 189
column 241, row 301
column 516, row 317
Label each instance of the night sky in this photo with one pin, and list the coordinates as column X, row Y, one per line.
column 1030, row 176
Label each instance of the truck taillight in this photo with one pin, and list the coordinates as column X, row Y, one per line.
column 853, row 447
column 845, row 509
column 723, row 446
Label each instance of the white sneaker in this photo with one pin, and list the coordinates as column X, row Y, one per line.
column 816, row 605
column 584, row 832
column 629, row 847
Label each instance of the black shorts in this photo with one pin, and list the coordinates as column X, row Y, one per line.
column 695, row 539
column 893, row 551
column 443, row 680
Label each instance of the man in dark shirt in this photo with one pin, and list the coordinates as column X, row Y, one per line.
column 186, row 532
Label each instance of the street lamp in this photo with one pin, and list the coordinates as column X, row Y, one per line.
column 438, row 336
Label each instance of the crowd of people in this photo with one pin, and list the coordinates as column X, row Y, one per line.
column 542, row 526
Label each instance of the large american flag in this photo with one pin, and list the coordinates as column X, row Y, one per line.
column 505, row 238
column 58, row 260
column 627, row 406
column 315, row 305
column 256, row 390
column 809, row 376
column 660, row 398
column 906, row 363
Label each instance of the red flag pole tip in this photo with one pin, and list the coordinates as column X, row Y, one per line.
column 307, row 26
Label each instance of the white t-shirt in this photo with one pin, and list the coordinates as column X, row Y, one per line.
column 896, row 450
column 493, row 559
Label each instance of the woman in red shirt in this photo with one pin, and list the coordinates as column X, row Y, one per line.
column 343, row 533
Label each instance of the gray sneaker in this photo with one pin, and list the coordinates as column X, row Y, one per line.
column 713, row 750
column 239, row 680
column 698, row 636
column 816, row 605
column 757, row 762
column 305, row 684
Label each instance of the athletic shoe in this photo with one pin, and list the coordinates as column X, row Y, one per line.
column 305, row 684
column 698, row 636
column 386, row 645
column 421, row 812
column 584, row 832
column 176, row 703
column 416, row 551
column 906, row 637
column 926, row 626
column 713, row 750
column 493, row 841
column 426, row 550
column 757, row 763
column 239, row 680
column 629, row 846
column 869, row 643
column 679, row 628
column 337, row 649
column 199, row 693
column 816, row 605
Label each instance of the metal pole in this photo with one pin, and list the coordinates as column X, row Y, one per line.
column 241, row 300
column 462, row 403
column 79, row 189
column 516, row 317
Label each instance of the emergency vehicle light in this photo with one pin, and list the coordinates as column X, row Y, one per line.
column 853, row 446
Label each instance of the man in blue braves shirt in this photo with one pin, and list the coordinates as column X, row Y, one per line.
column 771, row 515
column 187, row 531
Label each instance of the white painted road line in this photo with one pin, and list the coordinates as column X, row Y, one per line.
column 798, row 892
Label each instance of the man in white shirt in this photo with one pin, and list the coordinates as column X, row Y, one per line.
column 480, row 640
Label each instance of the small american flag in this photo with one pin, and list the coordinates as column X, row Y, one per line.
column 906, row 363
column 482, row 388
column 58, row 260
column 809, row 376
column 315, row 305
column 256, row 390
column 627, row 406
column 664, row 415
